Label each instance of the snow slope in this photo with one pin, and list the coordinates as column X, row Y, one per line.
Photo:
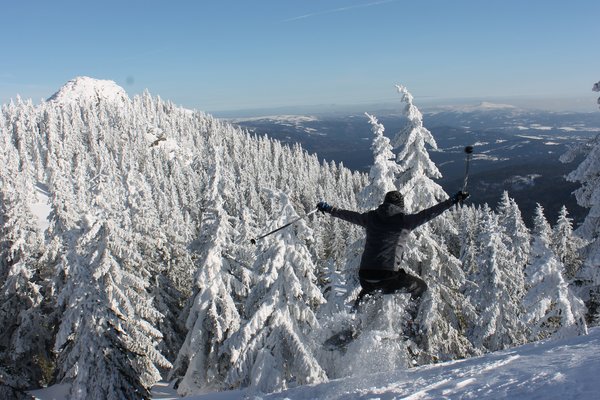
column 565, row 369
column 562, row 369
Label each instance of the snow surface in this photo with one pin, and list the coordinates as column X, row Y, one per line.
column 561, row 369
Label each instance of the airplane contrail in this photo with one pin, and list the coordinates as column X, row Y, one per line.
column 340, row 9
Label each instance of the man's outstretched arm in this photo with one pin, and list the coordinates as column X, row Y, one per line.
column 414, row 220
column 347, row 215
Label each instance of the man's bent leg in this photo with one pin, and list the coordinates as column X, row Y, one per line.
column 407, row 282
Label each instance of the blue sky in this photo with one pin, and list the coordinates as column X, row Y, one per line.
column 223, row 54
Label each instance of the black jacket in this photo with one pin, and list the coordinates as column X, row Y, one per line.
column 387, row 229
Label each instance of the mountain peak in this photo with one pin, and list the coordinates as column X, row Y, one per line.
column 86, row 88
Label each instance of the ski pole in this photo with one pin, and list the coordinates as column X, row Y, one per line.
column 253, row 241
column 469, row 151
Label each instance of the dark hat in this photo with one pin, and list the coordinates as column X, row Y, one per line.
column 394, row 197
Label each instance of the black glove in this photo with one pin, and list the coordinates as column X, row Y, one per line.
column 324, row 207
column 460, row 197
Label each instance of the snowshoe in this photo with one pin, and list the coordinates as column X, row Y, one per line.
column 364, row 305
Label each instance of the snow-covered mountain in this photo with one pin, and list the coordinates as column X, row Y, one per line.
column 484, row 106
column 84, row 88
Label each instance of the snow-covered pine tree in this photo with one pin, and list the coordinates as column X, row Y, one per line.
column 384, row 170
column 498, row 292
column 274, row 348
column 414, row 179
column 551, row 307
column 106, row 340
column 428, row 255
column 24, row 327
column 567, row 245
column 213, row 316
column 468, row 219
column 66, row 207
column 517, row 235
column 588, row 196
column 416, row 170
column 166, row 263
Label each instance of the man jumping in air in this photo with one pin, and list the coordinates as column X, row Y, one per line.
column 387, row 230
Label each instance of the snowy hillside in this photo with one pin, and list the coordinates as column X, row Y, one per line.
column 561, row 370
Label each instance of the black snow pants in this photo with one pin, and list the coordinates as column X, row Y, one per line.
column 388, row 282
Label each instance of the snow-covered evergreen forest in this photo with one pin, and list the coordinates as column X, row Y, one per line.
column 126, row 254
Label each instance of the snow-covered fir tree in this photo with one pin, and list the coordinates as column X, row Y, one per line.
column 428, row 254
column 551, row 307
column 106, row 309
column 498, row 291
column 567, row 245
column 517, row 235
column 274, row 349
column 416, row 170
column 384, row 170
column 213, row 316
column 24, row 325
column 588, row 196
column 468, row 218
column 167, row 265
